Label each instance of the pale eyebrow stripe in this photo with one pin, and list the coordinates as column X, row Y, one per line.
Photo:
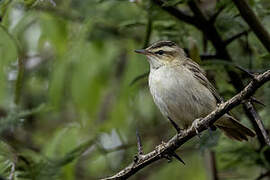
column 165, row 48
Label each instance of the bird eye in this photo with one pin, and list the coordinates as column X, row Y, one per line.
column 160, row 52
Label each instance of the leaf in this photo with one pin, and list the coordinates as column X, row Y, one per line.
column 9, row 50
column 15, row 117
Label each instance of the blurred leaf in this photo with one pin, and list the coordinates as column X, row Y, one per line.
column 209, row 140
column 8, row 53
column 174, row 2
column 15, row 117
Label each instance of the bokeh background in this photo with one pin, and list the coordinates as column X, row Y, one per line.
column 73, row 92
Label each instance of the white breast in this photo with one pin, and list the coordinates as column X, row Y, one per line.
column 179, row 95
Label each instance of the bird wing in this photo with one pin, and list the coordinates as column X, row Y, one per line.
column 200, row 75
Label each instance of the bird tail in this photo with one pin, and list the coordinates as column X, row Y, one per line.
column 234, row 129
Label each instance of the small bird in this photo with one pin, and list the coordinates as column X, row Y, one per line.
column 182, row 92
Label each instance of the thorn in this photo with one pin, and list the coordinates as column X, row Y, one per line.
column 139, row 143
column 175, row 125
column 178, row 158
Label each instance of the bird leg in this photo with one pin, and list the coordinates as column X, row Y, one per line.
column 175, row 125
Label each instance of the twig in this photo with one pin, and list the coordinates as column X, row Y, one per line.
column 176, row 12
column 213, row 165
column 138, row 78
column 139, row 143
column 231, row 39
column 245, row 71
column 148, row 32
column 148, row 28
column 179, row 139
column 253, row 99
column 253, row 21
column 210, row 56
column 259, row 123
column 215, row 15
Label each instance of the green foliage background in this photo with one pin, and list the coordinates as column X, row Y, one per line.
column 73, row 92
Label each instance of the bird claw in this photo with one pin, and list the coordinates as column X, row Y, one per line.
column 195, row 125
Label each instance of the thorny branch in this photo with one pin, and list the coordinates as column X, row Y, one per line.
column 179, row 139
column 200, row 21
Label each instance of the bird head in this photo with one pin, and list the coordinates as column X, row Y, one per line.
column 163, row 53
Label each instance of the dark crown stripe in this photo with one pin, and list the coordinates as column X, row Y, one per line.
column 162, row 44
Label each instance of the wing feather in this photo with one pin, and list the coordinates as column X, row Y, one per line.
column 200, row 75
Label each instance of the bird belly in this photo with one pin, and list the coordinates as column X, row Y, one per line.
column 180, row 96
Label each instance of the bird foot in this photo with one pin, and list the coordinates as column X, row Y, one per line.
column 196, row 126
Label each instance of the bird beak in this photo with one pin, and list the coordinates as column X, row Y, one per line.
column 141, row 51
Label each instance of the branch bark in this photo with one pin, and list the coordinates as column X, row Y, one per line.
column 253, row 21
column 179, row 139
